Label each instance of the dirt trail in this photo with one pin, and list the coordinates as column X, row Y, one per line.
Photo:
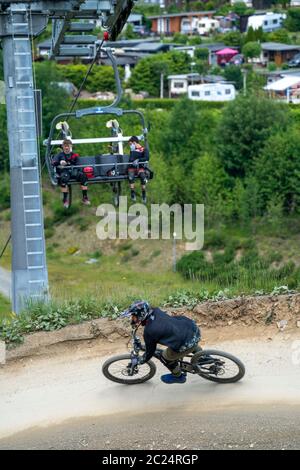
column 68, row 383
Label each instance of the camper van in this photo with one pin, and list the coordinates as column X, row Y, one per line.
column 212, row 92
column 189, row 25
column 268, row 22
column 207, row 25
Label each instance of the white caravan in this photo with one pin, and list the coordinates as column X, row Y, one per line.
column 268, row 22
column 207, row 25
column 212, row 92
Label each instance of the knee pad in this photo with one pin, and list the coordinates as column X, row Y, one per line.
column 64, row 178
column 81, row 178
column 131, row 176
column 143, row 178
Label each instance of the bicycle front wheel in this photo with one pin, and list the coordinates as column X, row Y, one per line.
column 118, row 370
column 218, row 366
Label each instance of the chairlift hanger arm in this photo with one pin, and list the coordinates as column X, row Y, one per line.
column 117, row 20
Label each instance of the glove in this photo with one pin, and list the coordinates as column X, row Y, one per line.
column 63, row 163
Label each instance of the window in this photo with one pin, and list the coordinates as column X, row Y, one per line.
column 195, row 93
column 266, row 23
column 275, row 21
column 178, row 85
column 227, row 91
column 207, row 93
column 219, row 92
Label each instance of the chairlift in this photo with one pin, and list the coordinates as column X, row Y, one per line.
column 110, row 168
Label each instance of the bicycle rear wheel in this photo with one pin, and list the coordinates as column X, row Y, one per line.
column 118, row 368
column 218, row 366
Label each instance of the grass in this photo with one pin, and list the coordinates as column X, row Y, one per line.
column 127, row 269
column 5, row 307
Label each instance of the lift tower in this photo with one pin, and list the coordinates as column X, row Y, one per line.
column 20, row 22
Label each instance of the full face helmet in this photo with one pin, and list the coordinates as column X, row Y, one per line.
column 141, row 309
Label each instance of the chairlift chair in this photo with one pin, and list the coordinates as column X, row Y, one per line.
column 105, row 167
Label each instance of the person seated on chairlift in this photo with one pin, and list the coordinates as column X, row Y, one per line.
column 136, row 169
column 62, row 161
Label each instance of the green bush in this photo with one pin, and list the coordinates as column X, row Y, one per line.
column 226, row 269
column 215, row 239
column 5, row 192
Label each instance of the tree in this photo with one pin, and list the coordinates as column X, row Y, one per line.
column 179, row 129
column 233, row 39
column 4, row 153
column 209, row 187
column 251, row 50
column 280, row 35
column 245, row 126
column 277, row 171
column 1, row 65
column 201, row 53
column 147, row 72
column 129, row 34
column 240, row 8
column 233, row 73
column 55, row 98
column 292, row 22
column 250, row 36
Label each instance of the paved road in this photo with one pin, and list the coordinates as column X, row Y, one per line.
column 48, row 400
column 5, row 282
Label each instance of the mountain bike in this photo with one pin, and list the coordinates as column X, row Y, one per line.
column 210, row 364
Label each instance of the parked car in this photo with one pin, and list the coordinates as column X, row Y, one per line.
column 295, row 61
column 238, row 59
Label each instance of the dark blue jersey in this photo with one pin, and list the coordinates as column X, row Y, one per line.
column 178, row 333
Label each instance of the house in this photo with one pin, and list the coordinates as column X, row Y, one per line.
column 277, row 52
column 212, row 92
column 168, row 24
column 150, row 48
column 268, row 21
column 135, row 19
column 287, row 88
column 278, row 74
column 212, row 48
column 178, row 84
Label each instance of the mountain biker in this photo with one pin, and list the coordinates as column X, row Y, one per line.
column 180, row 334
